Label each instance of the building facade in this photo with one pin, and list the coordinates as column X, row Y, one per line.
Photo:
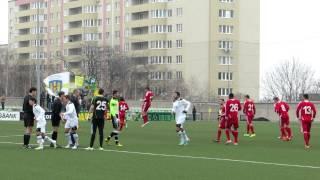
column 211, row 45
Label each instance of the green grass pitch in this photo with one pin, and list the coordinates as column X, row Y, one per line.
column 158, row 157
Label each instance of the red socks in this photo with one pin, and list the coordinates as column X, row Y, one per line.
column 248, row 129
column 235, row 135
column 252, row 129
column 306, row 136
column 145, row 119
column 228, row 134
column 283, row 133
column 219, row 135
column 289, row 132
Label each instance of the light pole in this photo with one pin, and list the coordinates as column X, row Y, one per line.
column 38, row 70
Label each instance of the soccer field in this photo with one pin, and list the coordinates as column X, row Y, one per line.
column 152, row 153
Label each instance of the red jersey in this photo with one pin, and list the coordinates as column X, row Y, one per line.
column 249, row 108
column 232, row 107
column 222, row 111
column 282, row 108
column 306, row 111
column 123, row 107
column 148, row 97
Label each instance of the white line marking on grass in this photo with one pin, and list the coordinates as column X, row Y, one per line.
column 11, row 136
column 199, row 157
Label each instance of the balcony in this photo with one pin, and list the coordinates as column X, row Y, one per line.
column 73, row 38
column 24, row 7
column 139, row 46
column 24, row 19
column 75, row 52
column 75, row 11
column 143, row 60
column 24, row 56
column 23, row 44
column 140, row 16
column 139, row 2
column 75, row 24
column 140, row 30
column 25, row 31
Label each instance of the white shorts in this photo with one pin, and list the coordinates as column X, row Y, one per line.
column 41, row 127
column 181, row 121
column 71, row 124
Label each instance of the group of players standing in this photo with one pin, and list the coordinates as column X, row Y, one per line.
column 100, row 104
column 229, row 122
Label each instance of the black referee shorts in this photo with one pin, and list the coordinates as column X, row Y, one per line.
column 55, row 120
column 28, row 119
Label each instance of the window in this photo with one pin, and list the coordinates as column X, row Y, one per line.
column 178, row 75
column 226, row 29
column 179, row 59
column 161, row 13
column 158, row 44
column 169, row 75
column 90, row 9
column 91, row 37
column 225, row 60
column 108, row 21
column 179, row 43
column 226, row 45
column 117, row 19
column 38, row 42
column 226, row 13
column 179, row 11
column 224, row 91
column 160, row 60
column 225, row 76
column 36, row 5
column 179, row 27
column 91, row 22
column 226, row 1
column 117, row 34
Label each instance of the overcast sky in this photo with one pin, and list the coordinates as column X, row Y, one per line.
column 289, row 28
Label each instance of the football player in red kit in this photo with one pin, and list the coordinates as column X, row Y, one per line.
column 222, row 121
column 146, row 105
column 282, row 109
column 249, row 109
column 123, row 108
column 306, row 112
column 233, row 106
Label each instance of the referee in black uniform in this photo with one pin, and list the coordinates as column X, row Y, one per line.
column 56, row 115
column 98, row 108
column 28, row 117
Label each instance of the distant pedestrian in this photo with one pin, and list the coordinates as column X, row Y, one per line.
column 194, row 113
column 3, row 101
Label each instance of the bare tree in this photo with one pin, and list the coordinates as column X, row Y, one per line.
column 288, row 80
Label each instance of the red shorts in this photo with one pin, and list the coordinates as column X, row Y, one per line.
column 233, row 121
column 306, row 126
column 145, row 107
column 284, row 121
column 122, row 121
column 249, row 119
column 223, row 123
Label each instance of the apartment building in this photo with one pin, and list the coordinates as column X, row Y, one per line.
column 211, row 45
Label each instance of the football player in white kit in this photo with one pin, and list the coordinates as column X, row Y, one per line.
column 71, row 126
column 39, row 116
column 180, row 109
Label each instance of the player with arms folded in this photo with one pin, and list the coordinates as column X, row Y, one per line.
column 39, row 116
column 146, row 105
column 98, row 108
column 282, row 109
column 306, row 112
column 249, row 109
column 180, row 109
column 233, row 106
column 222, row 121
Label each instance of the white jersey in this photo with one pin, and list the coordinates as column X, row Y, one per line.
column 179, row 106
column 71, row 113
column 39, row 114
